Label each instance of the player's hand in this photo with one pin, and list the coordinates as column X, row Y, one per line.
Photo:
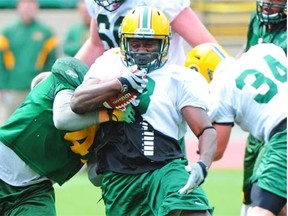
column 127, row 115
column 198, row 172
column 39, row 78
column 133, row 80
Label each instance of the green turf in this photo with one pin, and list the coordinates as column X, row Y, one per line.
column 79, row 197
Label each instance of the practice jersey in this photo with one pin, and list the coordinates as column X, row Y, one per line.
column 169, row 89
column 153, row 139
column 251, row 91
column 258, row 33
column 31, row 134
column 109, row 23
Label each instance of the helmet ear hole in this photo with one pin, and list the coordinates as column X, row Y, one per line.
column 195, row 67
column 205, row 58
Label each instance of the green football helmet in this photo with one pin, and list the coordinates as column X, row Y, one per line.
column 110, row 5
column 272, row 11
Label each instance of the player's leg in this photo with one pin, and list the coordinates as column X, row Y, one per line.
column 37, row 199
column 253, row 147
column 124, row 194
column 268, row 194
column 163, row 195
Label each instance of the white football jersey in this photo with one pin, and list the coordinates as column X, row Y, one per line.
column 109, row 23
column 169, row 89
column 252, row 90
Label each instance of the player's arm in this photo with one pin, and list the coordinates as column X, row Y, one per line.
column 65, row 119
column 39, row 78
column 223, row 136
column 201, row 126
column 188, row 25
column 92, row 48
column 92, row 93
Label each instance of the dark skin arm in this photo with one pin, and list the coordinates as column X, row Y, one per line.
column 223, row 137
column 198, row 119
column 92, row 93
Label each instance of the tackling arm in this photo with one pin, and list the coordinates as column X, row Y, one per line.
column 92, row 48
column 182, row 25
column 65, row 119
column 223, row 132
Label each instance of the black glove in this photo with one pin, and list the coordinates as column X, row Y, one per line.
column 133, row 80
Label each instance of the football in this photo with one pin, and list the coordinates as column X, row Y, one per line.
column 120, row 101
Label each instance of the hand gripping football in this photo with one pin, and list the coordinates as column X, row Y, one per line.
column 121, row 100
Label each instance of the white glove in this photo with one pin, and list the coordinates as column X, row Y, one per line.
column 39, row 78
column 133, row 80
column 198, row 172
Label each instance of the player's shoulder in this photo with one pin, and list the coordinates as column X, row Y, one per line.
column 107, row 66
column 261, row 50
column 184, row 74
column 110, row 56
column 70, row 70
column 172, row 7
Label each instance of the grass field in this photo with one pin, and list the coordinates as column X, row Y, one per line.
column 79, row 197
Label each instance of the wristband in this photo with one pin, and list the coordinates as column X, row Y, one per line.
column 204, row 168
column 205, row 128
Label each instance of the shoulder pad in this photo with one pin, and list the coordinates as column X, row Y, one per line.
column 69, row 70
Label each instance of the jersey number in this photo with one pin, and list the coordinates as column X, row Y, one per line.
column 103, row 20
column 279, row 72
column 82, row 140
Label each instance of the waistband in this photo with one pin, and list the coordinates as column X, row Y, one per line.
column 280, row 127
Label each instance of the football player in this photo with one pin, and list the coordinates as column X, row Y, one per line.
column 108, row 14
column 34, row 153
column 268, row 25
column 140, row 161
column 251, row 91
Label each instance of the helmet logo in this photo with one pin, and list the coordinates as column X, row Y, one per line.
column 144, row 31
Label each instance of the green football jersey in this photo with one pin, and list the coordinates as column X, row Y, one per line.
column 31, row 134
column 257, row 33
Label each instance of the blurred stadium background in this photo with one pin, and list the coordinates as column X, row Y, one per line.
column 227, row 20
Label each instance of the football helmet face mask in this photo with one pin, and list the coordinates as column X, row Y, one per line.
column 272, row 11
column 150, row 27
column 109, row 5
column 205, row 58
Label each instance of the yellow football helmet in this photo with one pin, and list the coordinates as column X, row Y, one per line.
column 147, row 23
column 205, row 57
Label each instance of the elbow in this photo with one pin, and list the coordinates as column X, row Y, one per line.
column 76, row 107
column 218, row 156
column 60, row 124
